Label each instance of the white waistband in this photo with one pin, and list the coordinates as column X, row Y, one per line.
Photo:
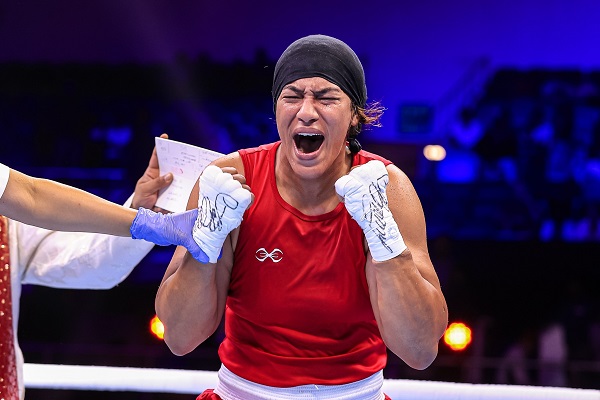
column 233, row 387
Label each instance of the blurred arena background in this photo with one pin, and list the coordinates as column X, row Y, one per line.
column 493, row 110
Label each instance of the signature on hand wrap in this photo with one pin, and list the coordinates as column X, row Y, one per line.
column 211, row 214
column 375, row 210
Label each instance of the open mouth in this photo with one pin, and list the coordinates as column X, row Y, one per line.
column 308, row 142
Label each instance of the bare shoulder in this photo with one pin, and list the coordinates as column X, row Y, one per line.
column 230, row 160
column 399, row 180
column 394, row 170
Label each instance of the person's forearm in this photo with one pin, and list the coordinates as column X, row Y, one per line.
column 82, row 211
column 52, row 205
column 412, row 311
column 187, row 305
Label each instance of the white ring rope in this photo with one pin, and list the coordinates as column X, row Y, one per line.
column 79, row 377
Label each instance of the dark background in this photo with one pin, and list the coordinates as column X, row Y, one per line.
column 512, row 217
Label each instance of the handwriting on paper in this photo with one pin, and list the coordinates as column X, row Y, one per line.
column 186, row 162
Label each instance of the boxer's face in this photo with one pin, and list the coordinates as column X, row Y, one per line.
column 313, row 117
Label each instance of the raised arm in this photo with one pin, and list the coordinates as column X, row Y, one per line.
column 52, row 205
column 191, row 298
column 405, row 292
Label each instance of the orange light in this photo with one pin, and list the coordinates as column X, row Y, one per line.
column 457, row 336
column 434, row 152
column 157, row 328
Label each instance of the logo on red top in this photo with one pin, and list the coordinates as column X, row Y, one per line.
column 262, row 254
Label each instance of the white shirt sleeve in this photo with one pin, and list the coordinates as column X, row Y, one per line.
column 81, row 260
column 4, row 172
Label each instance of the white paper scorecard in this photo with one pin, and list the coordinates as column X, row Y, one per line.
column 186, row 162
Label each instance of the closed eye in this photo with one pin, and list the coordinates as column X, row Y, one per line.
column 329, row 100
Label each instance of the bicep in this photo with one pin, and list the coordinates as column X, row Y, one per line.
column 408, row 213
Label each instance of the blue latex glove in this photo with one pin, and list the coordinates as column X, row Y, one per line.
column 168, row 229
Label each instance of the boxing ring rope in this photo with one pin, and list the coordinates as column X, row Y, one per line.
column 124, row 379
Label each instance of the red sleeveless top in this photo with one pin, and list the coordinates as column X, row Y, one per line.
column 298, row 310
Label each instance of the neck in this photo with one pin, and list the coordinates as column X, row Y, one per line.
column 311, row 195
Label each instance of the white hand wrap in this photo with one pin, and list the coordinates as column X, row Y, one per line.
column 222, row 201
column 363, row 190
